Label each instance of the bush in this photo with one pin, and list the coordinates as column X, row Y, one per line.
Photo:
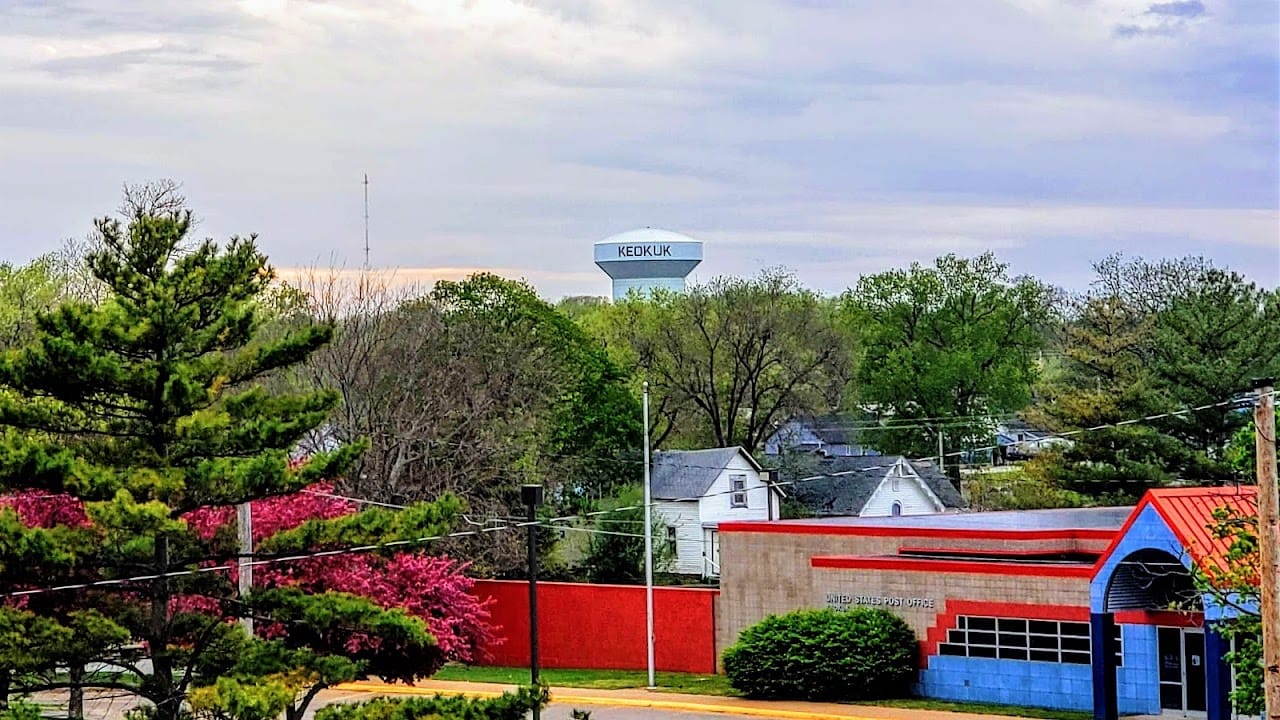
column 508, row 706
column 857, row 654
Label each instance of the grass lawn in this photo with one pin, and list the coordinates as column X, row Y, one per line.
column 711, row 685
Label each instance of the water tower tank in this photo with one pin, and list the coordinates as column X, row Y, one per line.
column 647, row 260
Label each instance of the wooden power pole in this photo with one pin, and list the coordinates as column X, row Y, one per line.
column 1264, row 423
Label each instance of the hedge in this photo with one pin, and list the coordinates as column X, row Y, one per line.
column 859, row 654
column 508, row 706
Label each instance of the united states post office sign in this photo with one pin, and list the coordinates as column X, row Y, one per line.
column 843, row 601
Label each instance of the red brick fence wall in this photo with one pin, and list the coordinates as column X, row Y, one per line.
column 603, row 626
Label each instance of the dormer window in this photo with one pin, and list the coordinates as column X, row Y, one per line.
column 738, row 491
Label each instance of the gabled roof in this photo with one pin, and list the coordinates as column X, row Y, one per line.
column 848, row 494
column 832, row 429
column 1189, row 512
column 939, row 483
column 688, row 474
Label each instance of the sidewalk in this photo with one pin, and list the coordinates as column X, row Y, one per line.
column 639, row 697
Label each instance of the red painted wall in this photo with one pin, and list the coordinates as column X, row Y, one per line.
column 603, row 626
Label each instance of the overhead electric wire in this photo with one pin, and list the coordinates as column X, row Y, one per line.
column 372, row 547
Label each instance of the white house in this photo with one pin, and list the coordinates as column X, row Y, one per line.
column 874, row 486
column 695, row 490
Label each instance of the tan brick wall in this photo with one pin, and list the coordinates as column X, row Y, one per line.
column 770, row 573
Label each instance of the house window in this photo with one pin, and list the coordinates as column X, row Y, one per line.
column 671, row 540
column 1023, row 639
column 738, row 491
column 895, row 509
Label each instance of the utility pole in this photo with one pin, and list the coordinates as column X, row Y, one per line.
column 1264, row 429
column 244, row 529
column 942, row 468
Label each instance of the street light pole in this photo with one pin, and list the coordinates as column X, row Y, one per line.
column 648, row 545
column 532, row 496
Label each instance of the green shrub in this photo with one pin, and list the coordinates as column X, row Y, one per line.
column 508, row 706
column 21, row 709
column 855, row 654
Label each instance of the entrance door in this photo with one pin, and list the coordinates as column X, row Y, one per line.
column 1182, row 683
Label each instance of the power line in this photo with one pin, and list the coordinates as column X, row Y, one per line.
column 519, row 524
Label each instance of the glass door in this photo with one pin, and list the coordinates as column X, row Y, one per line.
column 1182, row 661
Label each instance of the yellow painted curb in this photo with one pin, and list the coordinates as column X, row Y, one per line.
column 614, row 701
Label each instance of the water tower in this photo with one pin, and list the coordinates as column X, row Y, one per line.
column 647, row 260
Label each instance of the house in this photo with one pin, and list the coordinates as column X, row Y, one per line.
column 873, row 486
column 695, row 490
column 1017, row 440
column 834, row 435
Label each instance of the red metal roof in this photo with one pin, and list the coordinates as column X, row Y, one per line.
column 1189, row 511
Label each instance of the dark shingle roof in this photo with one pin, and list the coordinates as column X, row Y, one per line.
column 680, row 474
column 940, row 484
column 848, row 494
column 834, row 429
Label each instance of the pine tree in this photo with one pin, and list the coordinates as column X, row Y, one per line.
column 146, row 408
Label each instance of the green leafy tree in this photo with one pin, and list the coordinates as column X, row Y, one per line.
column 616, row 550
column 946, row 347
column 728, row 360
column 142, row 409
column 1147, row 339
column 1230, row 579
column 593, row 430
column 25, row 291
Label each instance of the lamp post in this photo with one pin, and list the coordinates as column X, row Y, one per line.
column 532, row 496
column 648, row 546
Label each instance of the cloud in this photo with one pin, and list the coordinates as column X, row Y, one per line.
column 511, row 135
column 1187, row 9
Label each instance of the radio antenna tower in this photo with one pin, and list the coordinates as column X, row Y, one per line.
column 366, row 221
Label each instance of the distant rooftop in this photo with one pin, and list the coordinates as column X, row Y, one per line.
column 1102, row 518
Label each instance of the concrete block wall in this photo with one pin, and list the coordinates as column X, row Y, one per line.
column 764, row 573
column 1138, row 679
column 1008, row 682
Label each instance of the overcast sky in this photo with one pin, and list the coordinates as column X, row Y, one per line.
column 834, row 138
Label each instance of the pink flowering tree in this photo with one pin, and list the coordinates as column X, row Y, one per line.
column 432, row 588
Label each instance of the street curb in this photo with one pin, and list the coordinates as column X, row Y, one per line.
column 572, row 697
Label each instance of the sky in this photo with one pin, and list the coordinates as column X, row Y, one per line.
column 831, row 138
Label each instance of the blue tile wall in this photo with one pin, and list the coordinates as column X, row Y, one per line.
column 1049, row 685
column 1138, row 680
column 1010, row 682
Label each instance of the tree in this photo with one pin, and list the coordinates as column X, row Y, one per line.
column 147, row 407
column 727, row 360
column 616, row 552
column 1230, row 580
column 432, row 588
column 25, row 290
column 946, row 347
column 470, row 389
column 1207, row 345
column 1150, row 338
